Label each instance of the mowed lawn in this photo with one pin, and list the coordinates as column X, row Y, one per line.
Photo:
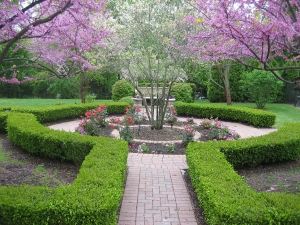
column 284, row 113
column 23, row 102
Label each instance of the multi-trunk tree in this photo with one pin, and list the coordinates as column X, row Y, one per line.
column 152, row 36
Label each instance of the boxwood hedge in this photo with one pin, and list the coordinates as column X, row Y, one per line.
column 258, row 118
column 225, row 197
column 95, row 195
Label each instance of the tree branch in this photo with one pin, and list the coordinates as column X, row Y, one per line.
column 27, row 28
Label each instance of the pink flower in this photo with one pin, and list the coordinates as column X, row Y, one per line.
column 111, row 125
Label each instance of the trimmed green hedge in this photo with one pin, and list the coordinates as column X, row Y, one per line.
column 223, row 194
column 258, row 118
column 95, row 195
column 54, row 113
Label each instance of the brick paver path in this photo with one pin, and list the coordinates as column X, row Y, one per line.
column 155, row 191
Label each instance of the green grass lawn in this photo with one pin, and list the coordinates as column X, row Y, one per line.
column 284, row 113
column 37, row 102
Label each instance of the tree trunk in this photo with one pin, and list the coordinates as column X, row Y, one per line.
column 84, row 85
column 224, row 75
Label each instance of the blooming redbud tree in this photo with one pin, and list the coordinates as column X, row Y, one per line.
column 58, row 33
column 263, row 30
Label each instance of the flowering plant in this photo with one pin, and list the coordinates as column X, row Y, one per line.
column 190, row 120
column 219, row 131
column 93, row 121
column 207, row 124
column 135, row 113
column 170, row 115
column 188, row 134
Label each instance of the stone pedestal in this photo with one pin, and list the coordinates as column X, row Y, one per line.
column 138, row 102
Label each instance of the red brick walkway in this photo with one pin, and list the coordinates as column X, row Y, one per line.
column 155, row 191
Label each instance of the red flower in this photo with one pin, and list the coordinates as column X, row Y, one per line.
column 88, row 114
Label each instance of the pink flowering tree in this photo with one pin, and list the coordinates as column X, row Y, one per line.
column 263, row 30
column 58, row 34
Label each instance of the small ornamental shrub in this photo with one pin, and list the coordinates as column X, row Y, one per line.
column 120, row 89
column 93, row 121
column 188, row 134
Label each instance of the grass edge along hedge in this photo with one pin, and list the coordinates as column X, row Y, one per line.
column 225, row 197
column 258, row 118
column 95, row 195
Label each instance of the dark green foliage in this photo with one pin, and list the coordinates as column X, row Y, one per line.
column 260, row 87
column 101, row 82
column 95, row 195
column 3, row 119
column 258, row 118
column 226, row 199
column 120, row 89
column 235, row 73
column 182, row 92
column 64, row 88
column 215, row 93
column 193, row 86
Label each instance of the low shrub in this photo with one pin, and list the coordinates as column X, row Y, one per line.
column 95, row 195
column 127, row 99
column 258, row 118
column 224, row 196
